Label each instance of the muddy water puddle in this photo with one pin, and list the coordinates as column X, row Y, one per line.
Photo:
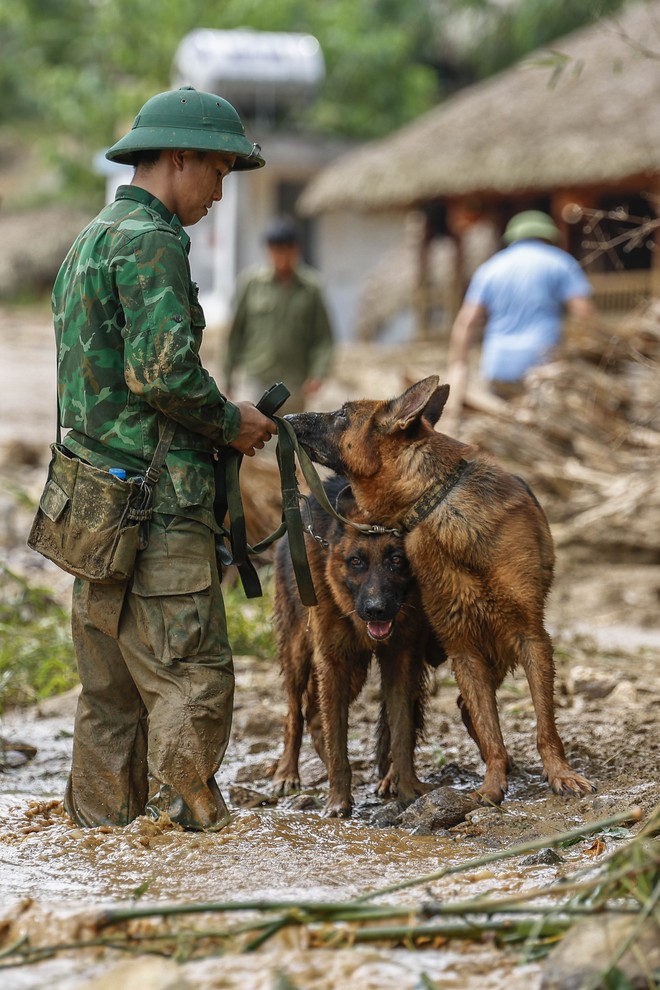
column 260, row 855
column 56, row 878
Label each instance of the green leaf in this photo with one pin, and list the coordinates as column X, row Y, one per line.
column 142, row 889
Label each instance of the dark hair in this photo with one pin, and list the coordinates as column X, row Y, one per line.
column 150, row 156
column 144, row 158
column 282, row 230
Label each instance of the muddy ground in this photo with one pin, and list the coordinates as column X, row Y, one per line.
column 57, row 877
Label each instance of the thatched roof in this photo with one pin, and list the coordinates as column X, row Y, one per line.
column 597, row 123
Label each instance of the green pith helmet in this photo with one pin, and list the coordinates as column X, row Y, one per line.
column 188, row 118
column 531, row 223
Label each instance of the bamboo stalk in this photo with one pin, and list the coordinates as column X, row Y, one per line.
column 12, row 949
column 559, row 888
column 268, row 933
column 395, row 933
column 115, row 915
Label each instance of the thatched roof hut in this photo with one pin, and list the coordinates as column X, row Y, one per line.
column 574, row 130
column 584, row 116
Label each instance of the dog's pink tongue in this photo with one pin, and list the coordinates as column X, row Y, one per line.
column 379, row 630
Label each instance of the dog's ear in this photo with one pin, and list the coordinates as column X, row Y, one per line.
column 345, row 503
column 414, row 402
column 435, row 405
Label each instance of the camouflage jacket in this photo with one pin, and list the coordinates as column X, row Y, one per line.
column 280, row 330
column 128, row 328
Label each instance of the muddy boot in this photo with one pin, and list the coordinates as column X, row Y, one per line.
column 206, row 811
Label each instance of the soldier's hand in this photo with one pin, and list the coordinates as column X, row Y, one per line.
column 255, row 432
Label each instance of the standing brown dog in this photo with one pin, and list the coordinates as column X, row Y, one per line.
column 368, row 605
column 481, row 550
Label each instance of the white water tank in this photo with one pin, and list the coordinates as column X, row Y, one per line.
column 261, row 72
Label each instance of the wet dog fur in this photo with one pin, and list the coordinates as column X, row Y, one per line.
column 368, row 605
column 483, row 558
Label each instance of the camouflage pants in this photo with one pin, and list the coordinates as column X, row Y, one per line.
column 154, row 714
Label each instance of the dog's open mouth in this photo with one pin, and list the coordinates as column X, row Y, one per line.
column 380, row 630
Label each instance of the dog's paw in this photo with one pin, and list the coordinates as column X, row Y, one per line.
column 405, row 790
column 570, row 783
column 419, row 787
column 494, row 787
column 408, row 792
column 386, row 786
column 338, row 809
column 286, row 784
column 489, row 796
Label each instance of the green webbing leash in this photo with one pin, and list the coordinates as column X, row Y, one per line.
column 291, row 521
column 316, row 485
column 228, row 501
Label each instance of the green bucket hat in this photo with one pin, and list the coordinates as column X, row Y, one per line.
column 531, row 223
column 188, row 118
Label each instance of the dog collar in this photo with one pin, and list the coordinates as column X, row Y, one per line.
column 432, row 497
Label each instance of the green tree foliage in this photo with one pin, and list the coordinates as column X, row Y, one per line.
column 73, row 72
column 36, row 655
column 509, row 31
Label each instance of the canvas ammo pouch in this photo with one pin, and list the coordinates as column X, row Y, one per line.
column 91, row 523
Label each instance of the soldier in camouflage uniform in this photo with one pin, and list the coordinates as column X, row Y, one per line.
column 154, row 714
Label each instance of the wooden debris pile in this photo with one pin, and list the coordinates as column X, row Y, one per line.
column 586, row 436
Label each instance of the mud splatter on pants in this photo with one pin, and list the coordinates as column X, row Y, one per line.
column 154, row 714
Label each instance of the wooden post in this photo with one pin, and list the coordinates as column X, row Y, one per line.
column 418, row 236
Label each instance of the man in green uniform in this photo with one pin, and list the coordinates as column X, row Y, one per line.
column 281, row 329
column 154, row 714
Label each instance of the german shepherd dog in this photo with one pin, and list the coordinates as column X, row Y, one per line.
column 368, row 604
column 479, row 545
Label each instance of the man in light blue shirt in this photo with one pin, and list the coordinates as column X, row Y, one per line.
column 520, row 296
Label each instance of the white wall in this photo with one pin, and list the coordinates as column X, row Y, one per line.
column 350, row 245
column 250, row 200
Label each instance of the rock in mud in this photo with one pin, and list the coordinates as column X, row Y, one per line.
column 546, row 857
column 251, row 773
column 388, row 815
column 249, row 797
column 260, row 724
column 15, row 754
column 302, row 802
column 584, row 951
column 442, row 808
